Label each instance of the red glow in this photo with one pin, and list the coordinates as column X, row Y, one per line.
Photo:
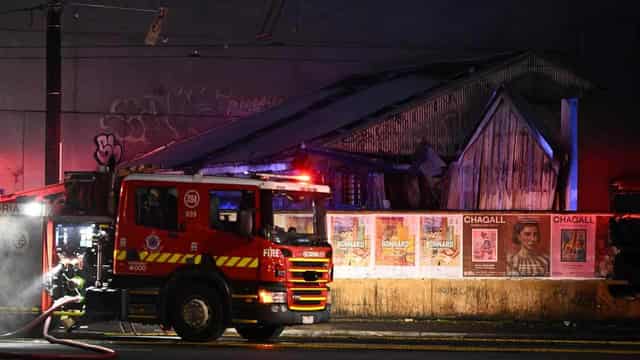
column 303, row 178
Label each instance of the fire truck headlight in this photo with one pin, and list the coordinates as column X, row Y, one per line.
column 33, row 209
column 272, row 297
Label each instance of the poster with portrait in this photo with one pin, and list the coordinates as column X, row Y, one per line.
column 395, row 241
column 350, row 237
column 528, row 245
column 515, row 245
column 441, row 245
column 302, row 222
column 573, row 245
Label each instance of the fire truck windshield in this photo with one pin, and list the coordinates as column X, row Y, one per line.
column 298, row 218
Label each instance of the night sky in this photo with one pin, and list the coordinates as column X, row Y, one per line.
column 603, row 35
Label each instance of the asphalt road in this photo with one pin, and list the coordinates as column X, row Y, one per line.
column 160, row 348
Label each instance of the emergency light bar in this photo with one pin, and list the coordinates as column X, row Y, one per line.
column 267, row 176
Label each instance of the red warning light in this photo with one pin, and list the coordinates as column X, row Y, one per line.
column 303, row 178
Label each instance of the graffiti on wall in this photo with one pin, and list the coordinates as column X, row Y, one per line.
column 164, row 115
column 108, row 149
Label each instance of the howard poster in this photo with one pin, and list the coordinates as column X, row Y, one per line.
column 350, row 237
column 441, row 246
column 395, row 241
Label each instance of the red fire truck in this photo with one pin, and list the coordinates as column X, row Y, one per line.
column 194, row 253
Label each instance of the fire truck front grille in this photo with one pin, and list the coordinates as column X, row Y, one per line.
column 308, row 298
column 306, row 263
column 308, row 278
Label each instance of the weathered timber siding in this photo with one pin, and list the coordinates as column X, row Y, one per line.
column 504, row 168
column 483, row 299
column 445, row 118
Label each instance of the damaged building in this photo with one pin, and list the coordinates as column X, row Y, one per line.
column 490, row 134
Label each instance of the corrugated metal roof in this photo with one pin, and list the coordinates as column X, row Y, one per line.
column 344, row 111
column 445, row 116
column 384, row 103
column 198, row 147
column 292, row 123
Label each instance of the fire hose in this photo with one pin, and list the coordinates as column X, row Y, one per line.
column 103, row 352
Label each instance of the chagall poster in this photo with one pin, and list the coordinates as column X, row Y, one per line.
column 515, row 245
column 350, row 239
column 441, row 245
column 573, row 245
column 395, row 241
column 528, row 245
column 303, row 223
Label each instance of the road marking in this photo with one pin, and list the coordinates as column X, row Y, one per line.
column 135, row 350
column 456, row 338
column 460, row 338
column 392, row 347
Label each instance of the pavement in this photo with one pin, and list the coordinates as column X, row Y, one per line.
column 464, row 329
column 416, row 330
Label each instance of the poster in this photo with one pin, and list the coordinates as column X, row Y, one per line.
column 302, row 222
column 528, row 245
column 350, row 239
column 395, row 241
column 515, row 245
column 573, row 245
column 484, row 245
column 441, row 245
column 483, row 250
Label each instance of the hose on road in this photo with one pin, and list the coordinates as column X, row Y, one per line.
column 103, row 352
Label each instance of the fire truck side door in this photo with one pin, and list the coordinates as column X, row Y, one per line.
column 151, row 227
column 234, row 253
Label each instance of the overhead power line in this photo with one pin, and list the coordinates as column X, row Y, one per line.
column 187, row 56
column 109, row 7
column 27, row 9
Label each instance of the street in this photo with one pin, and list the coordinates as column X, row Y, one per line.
column 232, row 347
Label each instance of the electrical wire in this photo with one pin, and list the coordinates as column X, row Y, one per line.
column 104, row 352
column 109, row 7
column 27, row 9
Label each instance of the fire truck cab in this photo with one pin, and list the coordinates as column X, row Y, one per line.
column 196, row 253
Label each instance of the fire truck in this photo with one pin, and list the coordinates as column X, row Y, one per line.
column 195, row 253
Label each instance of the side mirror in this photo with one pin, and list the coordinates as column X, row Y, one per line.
column 245, row 223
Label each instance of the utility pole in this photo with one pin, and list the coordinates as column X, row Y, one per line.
column 52, row 134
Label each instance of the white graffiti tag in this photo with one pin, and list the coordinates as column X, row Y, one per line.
column 108, row 149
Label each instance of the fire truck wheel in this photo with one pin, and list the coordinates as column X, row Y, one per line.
column 259, row 332
column 197, row 315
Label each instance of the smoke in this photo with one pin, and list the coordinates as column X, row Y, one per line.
column 21, row 279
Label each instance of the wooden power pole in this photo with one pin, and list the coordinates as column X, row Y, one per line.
column 52, row 134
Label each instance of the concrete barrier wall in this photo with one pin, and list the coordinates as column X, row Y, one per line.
column 483, row 299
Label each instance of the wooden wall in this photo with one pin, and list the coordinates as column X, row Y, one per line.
column 504, row 167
